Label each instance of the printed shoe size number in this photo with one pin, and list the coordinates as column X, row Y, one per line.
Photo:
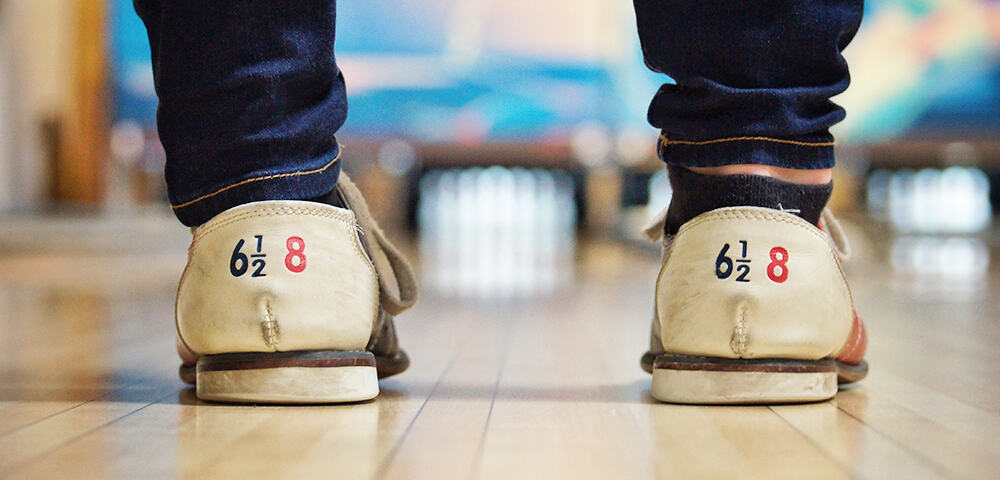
column 240, row 263
column 726, row 266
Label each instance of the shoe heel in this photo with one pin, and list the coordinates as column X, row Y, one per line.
column 708, row 380
column 304, row 377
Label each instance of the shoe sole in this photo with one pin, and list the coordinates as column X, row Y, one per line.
column 722, row 381
column 308, row 377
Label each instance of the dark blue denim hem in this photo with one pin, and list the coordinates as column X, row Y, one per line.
column 308, row 181
column 745, row 69
column 759, row 152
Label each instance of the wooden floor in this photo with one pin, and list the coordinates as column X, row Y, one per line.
column 543, row 387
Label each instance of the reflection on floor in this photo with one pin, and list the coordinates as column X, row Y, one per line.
column 531, row 387
column 950, row 266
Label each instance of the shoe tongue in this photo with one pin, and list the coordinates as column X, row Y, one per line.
column 695, row 194
column 397, row 282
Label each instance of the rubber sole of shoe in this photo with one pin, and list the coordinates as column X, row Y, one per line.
column 706, row 380
column 307, row 377
column 386, row 366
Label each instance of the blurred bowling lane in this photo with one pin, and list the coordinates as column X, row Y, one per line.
column 497, row 233
column 942, row 220
column 541, row 377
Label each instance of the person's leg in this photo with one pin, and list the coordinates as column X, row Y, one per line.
column 753, row 81
column 751, row 303
column 250, row 100
column 290, row 288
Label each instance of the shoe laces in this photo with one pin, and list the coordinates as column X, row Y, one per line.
column 397, row 282
column 835, row 231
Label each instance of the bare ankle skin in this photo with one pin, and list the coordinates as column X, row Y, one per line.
column 805, row 177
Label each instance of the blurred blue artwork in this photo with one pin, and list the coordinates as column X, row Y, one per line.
column 473, row 71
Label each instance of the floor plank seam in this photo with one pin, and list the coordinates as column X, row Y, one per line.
column 480, row 449
column 853, row 473
column 60, row 412
column 92, row 400
column 384, row 467
column 74, row 438
column 933, row 465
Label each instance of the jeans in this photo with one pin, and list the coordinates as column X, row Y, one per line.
column 251, row 96
column 754, row 79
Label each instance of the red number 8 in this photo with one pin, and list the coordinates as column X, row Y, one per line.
column 777, row 263
column 296, row 248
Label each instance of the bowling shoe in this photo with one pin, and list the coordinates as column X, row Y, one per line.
column 752, row 306
column 292, row 302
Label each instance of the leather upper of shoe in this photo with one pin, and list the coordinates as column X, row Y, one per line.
column 290, row 275
column 751, row 282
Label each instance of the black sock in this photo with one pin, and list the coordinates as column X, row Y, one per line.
column 694, row 194
column 332, row 197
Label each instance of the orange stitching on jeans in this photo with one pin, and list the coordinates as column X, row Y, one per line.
column 258, row 179
column 667, row 141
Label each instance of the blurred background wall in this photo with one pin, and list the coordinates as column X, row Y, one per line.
column 53, row 101
column 34, row 89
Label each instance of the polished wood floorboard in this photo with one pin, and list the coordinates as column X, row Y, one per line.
column 539, row 387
